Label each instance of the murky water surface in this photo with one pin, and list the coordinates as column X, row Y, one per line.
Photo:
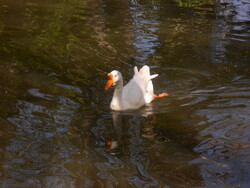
column 56, row 128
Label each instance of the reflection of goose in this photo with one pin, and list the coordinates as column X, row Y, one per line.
column 138, row 92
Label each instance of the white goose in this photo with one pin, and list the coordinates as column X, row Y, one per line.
column 138, row 91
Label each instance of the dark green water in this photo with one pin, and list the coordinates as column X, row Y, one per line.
column 56, row 129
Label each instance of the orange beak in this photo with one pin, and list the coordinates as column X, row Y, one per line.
column 110, row 81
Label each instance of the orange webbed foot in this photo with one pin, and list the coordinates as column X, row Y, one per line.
column 161, row 95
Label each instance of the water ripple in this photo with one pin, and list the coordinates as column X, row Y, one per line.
column 226, row 122
column 33, row 151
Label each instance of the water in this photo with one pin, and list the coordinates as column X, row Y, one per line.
column 56, row 127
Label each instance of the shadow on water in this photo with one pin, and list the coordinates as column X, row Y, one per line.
column 56, row 128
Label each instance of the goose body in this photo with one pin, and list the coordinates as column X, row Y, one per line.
column 136, row 93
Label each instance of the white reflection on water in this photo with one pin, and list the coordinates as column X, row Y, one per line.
column 145, row 24
column 238, row 10
column 232, row 23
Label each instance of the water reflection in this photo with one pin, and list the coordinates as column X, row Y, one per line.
column 231, row 24
column 40, row 143
column 145, row 25
column 123, row 146
column 137, row 145
column 56, row 128
column 225, row 119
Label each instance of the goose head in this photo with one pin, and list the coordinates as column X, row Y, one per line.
column 114, row 78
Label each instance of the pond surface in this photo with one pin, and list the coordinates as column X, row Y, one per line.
column 56, row 128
